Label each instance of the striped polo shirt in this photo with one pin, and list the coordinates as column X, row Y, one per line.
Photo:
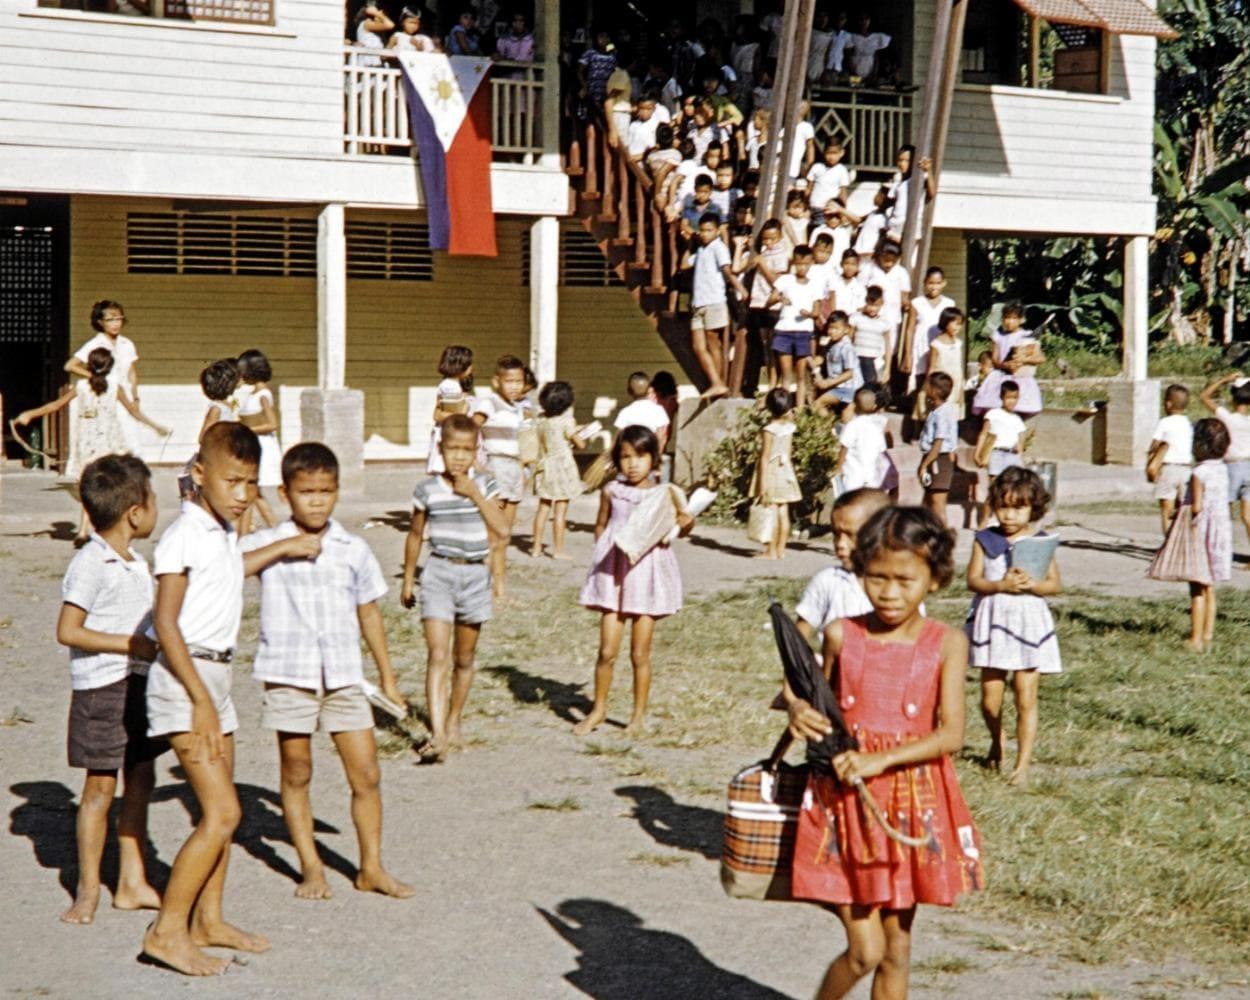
column 457, row 530
column 502, row 429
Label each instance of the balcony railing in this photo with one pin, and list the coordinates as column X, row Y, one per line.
column 376, row 112
column 872, row 124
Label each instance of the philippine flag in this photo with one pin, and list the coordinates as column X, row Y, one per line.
column 449, row 113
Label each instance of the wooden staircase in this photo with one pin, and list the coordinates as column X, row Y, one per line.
column 615, row 201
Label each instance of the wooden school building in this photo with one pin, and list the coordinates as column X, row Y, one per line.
column 237, row 176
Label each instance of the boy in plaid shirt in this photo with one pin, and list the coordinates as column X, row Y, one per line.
column 312, row 616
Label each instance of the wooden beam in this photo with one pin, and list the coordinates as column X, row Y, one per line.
column 772, row 148
column 799, row 44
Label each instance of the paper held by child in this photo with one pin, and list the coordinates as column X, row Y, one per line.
column 380, row 701
column 654, row 520
column 1034, row 554
column 589, row 431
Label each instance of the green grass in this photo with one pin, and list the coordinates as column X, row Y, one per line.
column 947, row 965
column 660, row 860
column 564, row 805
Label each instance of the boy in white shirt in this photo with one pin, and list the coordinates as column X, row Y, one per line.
column 873, row 337
column 863, row 445
column 1008, row 431
column 892, row 278
column 313, row 614
column 921, row 327
column 107, row 606
column 500, row 416
column 849, row 293
column 1171, row 450
column 801, row 297
column 199, row 601
column 724, row 195
column 827, row 181
column 643, row 411
column 643, row 127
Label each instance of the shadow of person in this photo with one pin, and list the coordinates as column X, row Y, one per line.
column 397, row 519
column 620, row 959
column 57, row 531
column 48, row 818
column 668, row 822
column 531, row 689
column 261, row 827
column 704, row 542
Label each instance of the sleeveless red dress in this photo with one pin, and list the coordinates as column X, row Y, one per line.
column 889, row 696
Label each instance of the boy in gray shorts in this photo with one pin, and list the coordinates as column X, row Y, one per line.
column 312, row 617
column 459, row 507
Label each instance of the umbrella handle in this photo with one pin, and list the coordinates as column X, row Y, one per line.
column 872, row 807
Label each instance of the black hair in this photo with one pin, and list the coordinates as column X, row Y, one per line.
column 220, row 379
column 779, row 401
column 1175, row 391
column 874, row 294
column 1211, row 439
column 711, row 217
column 555, row 398
column 802, row 250
column 1014, row 309
column 254, row 367
column 768, row 226
column 942, row 385
column 985, row 356
column 890, row 247
column 838, row 316
column 687, row 148
column 1008, row 385
column 641, row 439
column 509, row 363
column 458, row 423
column 934, row 271
column 881, row 393
column 531, row 380
column 824, row 239
column 664, row 384
column 231, row 438
column 1017, row 486
column 833, row 143
column 97, row 313
column 907, row 529
column 308, row 456
column 795, row 197
column 867, row 392
column 455, row 361
column 664, row 136
column 111, row 485
column 948, row 316
column 99, row 364
column 704, row 180
column 637, row 384
column 866, row 495
column 849, row 252
column 745, row 204
column 1240, row 394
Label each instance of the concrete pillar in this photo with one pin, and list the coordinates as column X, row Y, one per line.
column 548, row 42
column 544, row 294
column 331, row 299
column 1132, row 412
column 336, row 418
column 1136, row 306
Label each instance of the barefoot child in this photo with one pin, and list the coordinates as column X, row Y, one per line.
column 899, row 677
column 1009, row 625
column 453, row 395
column 556, row 480
column 313, row 614
column 938, row 442
column 460, row 507
column 500, row 416
column 1237, row 420
column 1170, row 457
column 775, row 483
column 107, row 605
column 637, row 593
column 199, row 601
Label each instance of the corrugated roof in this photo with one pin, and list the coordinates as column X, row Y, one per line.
column 1120, row 17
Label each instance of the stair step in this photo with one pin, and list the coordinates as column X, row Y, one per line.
column 606, row 217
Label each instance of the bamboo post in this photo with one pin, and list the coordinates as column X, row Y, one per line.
column 592, row 176
column 768, row 161
column 800, row 43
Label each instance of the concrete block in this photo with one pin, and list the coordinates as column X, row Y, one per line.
column 1070, row 435
column 1132, row 412
column 700, row 426
column 336, row 418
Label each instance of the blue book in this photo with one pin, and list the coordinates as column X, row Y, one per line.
column 1034, row 554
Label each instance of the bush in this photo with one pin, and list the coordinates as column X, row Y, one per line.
column 732, row 463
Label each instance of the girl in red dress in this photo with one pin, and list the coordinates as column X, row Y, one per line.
column 899, row 678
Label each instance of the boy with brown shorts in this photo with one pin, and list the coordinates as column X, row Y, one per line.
column 107, row 605
column 199, row 601
column 312, row 616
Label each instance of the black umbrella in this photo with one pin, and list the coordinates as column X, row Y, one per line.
column 807, row 680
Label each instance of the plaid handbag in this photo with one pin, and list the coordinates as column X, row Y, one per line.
column 761, row 823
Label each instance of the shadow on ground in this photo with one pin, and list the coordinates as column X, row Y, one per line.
column 619, row 958
column 672, row 824
column 560, row 697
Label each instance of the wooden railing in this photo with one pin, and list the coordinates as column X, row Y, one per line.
column 872, row 124
column 376, row 111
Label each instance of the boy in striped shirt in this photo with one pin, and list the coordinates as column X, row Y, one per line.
column 465, row 521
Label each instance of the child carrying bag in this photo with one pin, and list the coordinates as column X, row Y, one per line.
column 762, row 522
column 1182, row 558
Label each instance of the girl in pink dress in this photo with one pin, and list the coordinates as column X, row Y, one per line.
column 637, row 593
column 899, row 679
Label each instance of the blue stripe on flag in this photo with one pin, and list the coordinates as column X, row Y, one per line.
column 433, row 162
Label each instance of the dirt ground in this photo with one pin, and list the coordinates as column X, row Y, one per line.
column 612, row 895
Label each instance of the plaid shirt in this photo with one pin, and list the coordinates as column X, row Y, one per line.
column 309, row 632
column 117, row 596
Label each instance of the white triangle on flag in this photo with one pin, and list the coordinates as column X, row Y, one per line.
column 446, row 85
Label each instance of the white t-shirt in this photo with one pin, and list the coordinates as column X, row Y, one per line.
column 124, row 357
column 802, row 133
column 642, row 413
column 687, row 171
column 864, row 49
column 823, row 274
column 1178, row 434
column 841, row 236
column 1238, row 425
column 849, row 294
column 896, row 286
column 1007, row 428
column 802, row 296
column 864, row 441
column 825, row 182
column 870, row 335
column 831, row 594
column 117, row 596
column 926, row 331
column 642, row 134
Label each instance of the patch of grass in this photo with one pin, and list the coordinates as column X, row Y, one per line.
column 660, row 860
column 17, row 717
column 593, row 748
column 1083, row 995
column 947, row 965
column 564, row 805
column 1135, row 508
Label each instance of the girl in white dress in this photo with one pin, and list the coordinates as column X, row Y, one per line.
column 453, row 395
column 257, row 411
column 1010, row 628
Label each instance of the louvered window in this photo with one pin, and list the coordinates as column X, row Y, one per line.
column 582, row 263
column 389, row 251
column 204, row 243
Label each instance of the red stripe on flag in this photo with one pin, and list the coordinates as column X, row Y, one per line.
column 468, row 182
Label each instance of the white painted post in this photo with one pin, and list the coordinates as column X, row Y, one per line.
column 548, row 39
column 1136, row 306
column 544, row 295
column 331, row 299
